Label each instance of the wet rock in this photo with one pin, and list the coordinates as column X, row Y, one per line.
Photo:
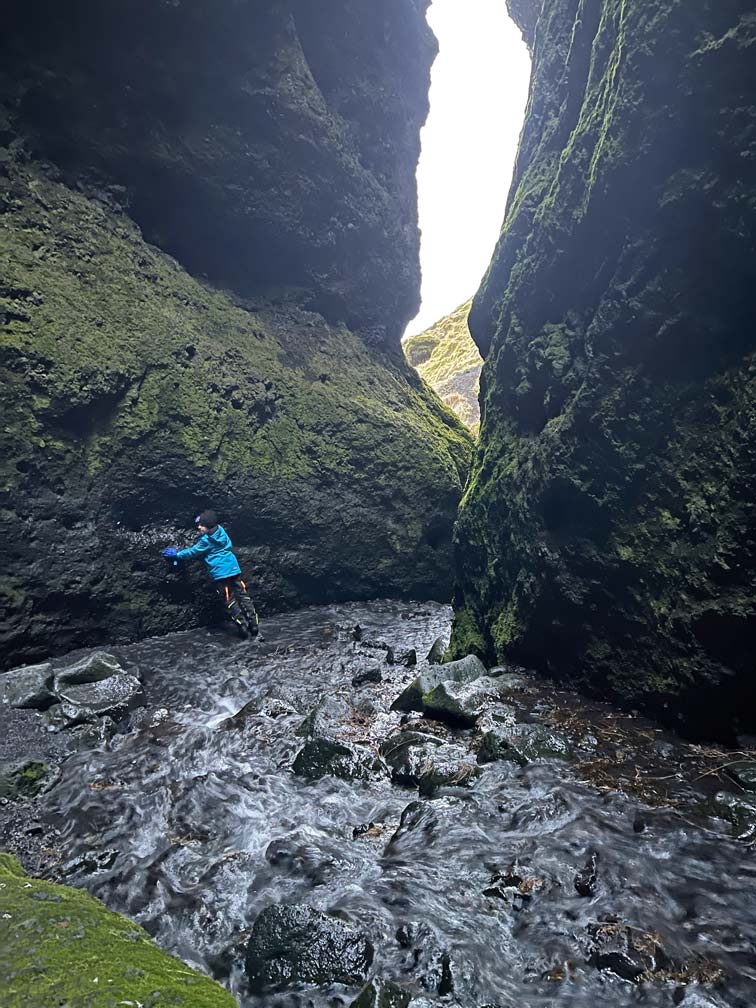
column 739, row 811
column 296, row 856
column 744, row 774
column 382, row 994
column 515, row 886
column 463, row 670
column 298, row 944
column 270, row 707
column 419, row 760
column 586, row 878
column 90, row 736
column 461, row 702
column 327, row 717
column 93, row 668
column 92, row 861
column 28, row 687
column 114, row 696
column 321, row 757
column 626, row 951
column 436, row 654
column 521, row 743
column 356, row 633
column 407, row 658
column 369, row 676
column 417, row 816
column 24, row 778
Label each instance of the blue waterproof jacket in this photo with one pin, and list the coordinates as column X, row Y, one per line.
column 215, row 549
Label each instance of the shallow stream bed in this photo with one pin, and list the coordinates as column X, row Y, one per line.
column 192, row 825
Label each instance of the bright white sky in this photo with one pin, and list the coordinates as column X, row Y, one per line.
column 479, row 86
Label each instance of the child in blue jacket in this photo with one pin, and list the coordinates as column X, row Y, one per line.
column 214, row 547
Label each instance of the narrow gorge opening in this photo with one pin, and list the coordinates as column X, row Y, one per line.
column 478, row 91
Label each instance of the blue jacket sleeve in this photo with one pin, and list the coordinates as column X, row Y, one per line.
column 201, row 547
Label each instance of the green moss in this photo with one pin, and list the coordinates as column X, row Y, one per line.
column 60, row 946
column 446, row 357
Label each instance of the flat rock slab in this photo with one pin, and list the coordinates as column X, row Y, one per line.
column 29, row 686
column 464, row 670
column 93, row 668
column 298, row 944
column 114, row 696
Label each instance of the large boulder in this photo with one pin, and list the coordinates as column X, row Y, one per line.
column 608, row 532
column 462, row 702
column 416, row 759
column 521, row 743
column 464, row 670
column 320, row 757
column 29, row 686
column 25, row 778
column 115, row 697
column 298, row 944
column 90, row 669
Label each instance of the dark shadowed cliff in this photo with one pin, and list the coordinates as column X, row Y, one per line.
column 208, row 242
column 608, row 537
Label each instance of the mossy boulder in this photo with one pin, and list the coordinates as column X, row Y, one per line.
column 60, row 946
column 608, row 532
column 463, row 670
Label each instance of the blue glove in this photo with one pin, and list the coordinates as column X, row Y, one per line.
column 170, row 553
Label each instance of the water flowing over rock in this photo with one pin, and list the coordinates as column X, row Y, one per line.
column 298, row 944
column 608, row 537
column 209, row 252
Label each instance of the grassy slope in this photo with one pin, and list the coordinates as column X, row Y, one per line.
column 60, row 946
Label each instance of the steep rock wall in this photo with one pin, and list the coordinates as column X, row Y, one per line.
column 608, row 536
column 136, row 391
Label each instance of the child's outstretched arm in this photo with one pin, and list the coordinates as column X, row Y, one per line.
column 202, row 546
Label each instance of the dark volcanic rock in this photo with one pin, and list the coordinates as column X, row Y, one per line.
column 626, row 951
column 521, row 743
column 424, row 761
column 324, row 756
column 608, row 536
column 271, row 149
column 297, row 944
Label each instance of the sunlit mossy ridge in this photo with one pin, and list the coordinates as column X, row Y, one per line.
column 60, row 946
column 448, row 360
column 608, row 534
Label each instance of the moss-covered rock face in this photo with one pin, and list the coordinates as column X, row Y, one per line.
column 60, row 946
column 263, row 145
column 138, row 396
column 273, row 154
column 446, row 357
column 608, row 536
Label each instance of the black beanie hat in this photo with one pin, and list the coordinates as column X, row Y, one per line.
column 208, row 518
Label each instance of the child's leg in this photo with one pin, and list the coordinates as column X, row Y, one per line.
column 247, row 605
column 226, row 589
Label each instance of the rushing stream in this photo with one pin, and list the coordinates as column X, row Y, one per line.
column 192, row 826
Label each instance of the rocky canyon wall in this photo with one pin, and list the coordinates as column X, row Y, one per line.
column 608, row 537
column 208, row 238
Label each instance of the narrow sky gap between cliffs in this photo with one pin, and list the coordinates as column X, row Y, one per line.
column 479, row 86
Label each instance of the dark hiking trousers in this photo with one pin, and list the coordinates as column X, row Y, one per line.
column 239, row 606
